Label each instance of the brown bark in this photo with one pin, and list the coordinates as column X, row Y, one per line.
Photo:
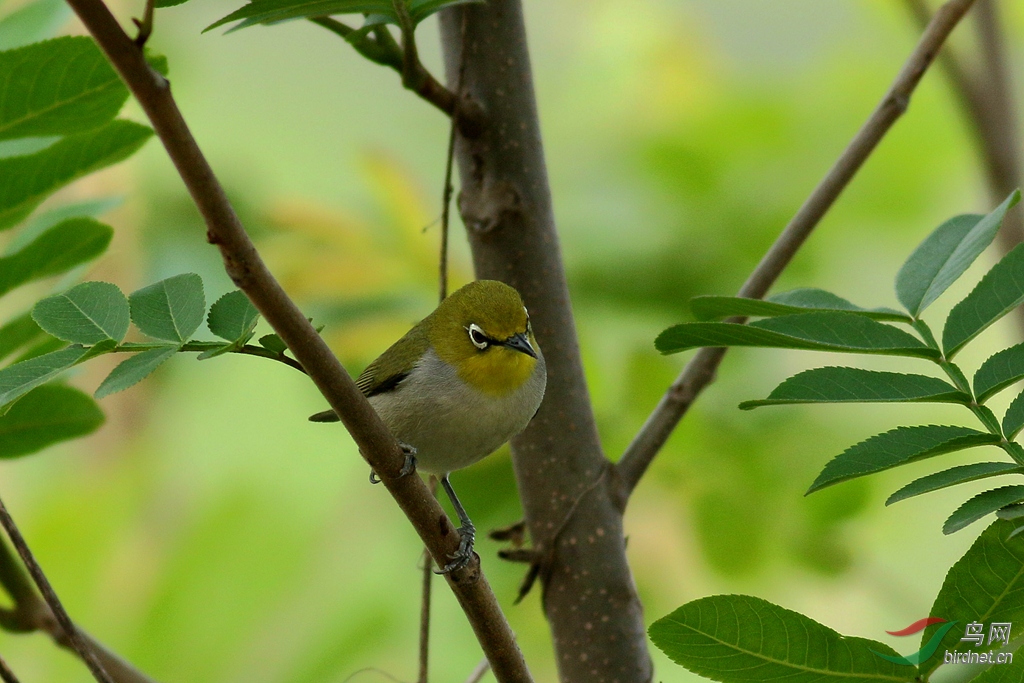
column 566, row 484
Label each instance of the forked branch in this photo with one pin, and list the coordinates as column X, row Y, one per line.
column 248, row 271
column 700, row 371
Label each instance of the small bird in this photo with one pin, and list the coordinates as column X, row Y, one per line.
column 463, row 381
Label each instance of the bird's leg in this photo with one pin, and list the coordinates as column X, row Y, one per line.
column 408, row 467
column 467, row 532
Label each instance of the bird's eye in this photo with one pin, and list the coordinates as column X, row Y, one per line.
column 477, row 336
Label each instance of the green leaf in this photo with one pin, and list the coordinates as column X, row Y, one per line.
column 1013, row 418
column 854, row 385
column 273, row 343
column 26, row 181
column 18, row 379
column 1011, row 672
column 17, row 333
column 57, row 87
column 738, row 638
column 169, row 3
column 999, row 371
column 43, row 221
column 85, row 314
column 47, row 415
column 998, row 293
column 985, row 585
column 233, row 317
column 56, row 251
column 784, row 303
column 898, row 447
column 133, row 370
column 33, row 22
column 832, row 331
column 945, row 255
column 981, row 505
column 171, row 309
column 273, row 11
column 953, row 476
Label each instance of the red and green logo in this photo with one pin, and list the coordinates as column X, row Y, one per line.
column 929, row 648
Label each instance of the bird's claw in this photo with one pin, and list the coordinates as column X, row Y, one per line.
column 408, row 467
column 461, row 557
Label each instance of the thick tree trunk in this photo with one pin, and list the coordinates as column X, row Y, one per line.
column 569, row 496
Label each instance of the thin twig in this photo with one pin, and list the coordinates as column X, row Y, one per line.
column 250, row 274
column 446, row 195
column 427, row 589
column 146, row 25
column 30, row 613
column 479, row 672
column 700, row 371
column 6, row 675
column 43, row 584
column 986, row 97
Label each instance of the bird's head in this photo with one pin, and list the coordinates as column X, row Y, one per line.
column 483, row 330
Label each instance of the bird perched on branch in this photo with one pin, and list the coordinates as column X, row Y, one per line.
column 463, row 381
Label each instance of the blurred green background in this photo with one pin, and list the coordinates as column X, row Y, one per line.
column 209, row 533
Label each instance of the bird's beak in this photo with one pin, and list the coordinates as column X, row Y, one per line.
column 520, row 343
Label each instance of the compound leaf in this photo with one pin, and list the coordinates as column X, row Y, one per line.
column 273, row 11
column 982, row 505
column 824, row 331
column 56, row 251
column 946, row 254
column 25, row 181
column 999, row 371
column 897, row 447
column 133, row 370
column 17, row 333
column 171, row 309
column 85, row 314
column 953, row 476
column 1013, row 418
column 19, row 379
column 741, row 639
column 854, row 385
column 48, row 414
column 998, row 293
column 57, row 87
column 985, row 585
column 233, row 317
column 802, row 300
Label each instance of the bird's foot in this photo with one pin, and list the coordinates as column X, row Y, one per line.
column 408, row 467
column 461, row 557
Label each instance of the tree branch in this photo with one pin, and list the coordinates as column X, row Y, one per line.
column 248, row 271
column 6, row 675
column 83, row 649
column 589, row 596
column 700, row 371
column 30, row 613
column 986, row 97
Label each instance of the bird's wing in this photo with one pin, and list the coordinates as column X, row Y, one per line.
column 395, row 364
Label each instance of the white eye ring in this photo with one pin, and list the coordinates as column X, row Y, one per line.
column 477, row 336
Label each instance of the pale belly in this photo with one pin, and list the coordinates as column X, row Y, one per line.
column 450, row 424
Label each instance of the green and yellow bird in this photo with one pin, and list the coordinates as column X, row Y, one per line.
column 463, row 381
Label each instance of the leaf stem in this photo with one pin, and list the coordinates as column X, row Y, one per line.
column 384, row 50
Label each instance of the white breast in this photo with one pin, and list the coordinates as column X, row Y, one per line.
column 451, row 424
